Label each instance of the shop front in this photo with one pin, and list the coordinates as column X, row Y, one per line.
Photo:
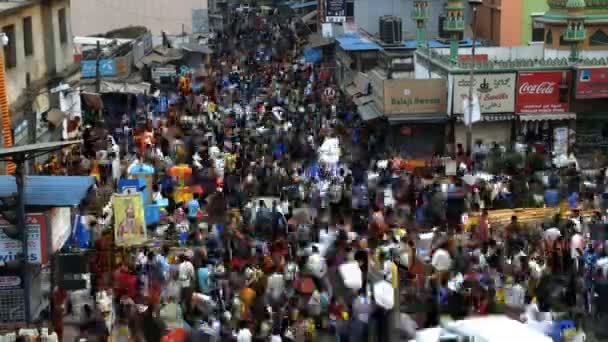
column 416, row 113
column 590, row 94
column 496, row 98
column 543, row 109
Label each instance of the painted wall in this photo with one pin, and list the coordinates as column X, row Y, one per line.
column 529, row 7
column 35, row 64
column 99, row 16
column 64, row 52
column 511, row 22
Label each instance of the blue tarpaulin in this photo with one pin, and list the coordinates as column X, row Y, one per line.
column 313, row 55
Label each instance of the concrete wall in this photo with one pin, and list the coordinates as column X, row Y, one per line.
column 511, row 22
column 64, row 53
column 529, row 7
column 99, row 16
column 367, row 14
column 35, row 64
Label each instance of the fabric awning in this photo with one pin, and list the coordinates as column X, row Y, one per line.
column 92, row 101
column 351, row 90
column 369, row 111
column 547, row 116
column 55, row 117
column 360, row 101
column 315, row 40
column 309, row 16
column 395, row 119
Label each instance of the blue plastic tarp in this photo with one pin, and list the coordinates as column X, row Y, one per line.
column 313, row 55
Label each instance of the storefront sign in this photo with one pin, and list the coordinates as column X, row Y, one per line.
column 415, row 96
column 129, row 222
column 160, row 72
column 496, row 92
column 36, row 230
column 10, row 282
column 107, row 67
column 592, row 83
column 543, row 92
column 335, row 11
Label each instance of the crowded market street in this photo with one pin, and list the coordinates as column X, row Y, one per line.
column 241, row 193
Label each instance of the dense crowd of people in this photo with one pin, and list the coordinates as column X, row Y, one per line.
column 300, row 229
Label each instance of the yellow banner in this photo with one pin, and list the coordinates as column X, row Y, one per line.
column 129, row 219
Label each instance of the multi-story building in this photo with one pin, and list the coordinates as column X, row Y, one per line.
column 511, row 22
column 38, row 58
column 96, row 16
column 532, row 94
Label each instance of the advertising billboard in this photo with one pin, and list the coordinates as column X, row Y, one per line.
column 496, row 92
column 543, row 92
column 335, row 11
column 592, row 83
column 415, row 96
column 36, row 238
column 107, row 67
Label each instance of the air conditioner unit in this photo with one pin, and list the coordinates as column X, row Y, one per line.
column 391, row 29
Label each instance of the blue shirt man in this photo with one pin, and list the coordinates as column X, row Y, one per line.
column 193, row 206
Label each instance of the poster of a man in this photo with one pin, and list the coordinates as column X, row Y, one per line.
column 129, row 228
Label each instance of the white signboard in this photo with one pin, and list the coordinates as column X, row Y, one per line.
column 164, row 71
column 496, row 92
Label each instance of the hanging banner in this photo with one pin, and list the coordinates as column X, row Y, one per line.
column 496, row 92
column 129, row 222
column 543, row 92
column 335, row 11
column 592, row 83
column 36, row 241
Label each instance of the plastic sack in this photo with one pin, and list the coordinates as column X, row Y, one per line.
column 384, row 294
column 352, row 276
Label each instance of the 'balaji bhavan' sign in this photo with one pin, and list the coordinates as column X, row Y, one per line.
column 496, row 92
column 415, row 96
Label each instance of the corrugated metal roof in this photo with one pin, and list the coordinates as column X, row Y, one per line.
column 303, row 4
column 354, row 42
column 52, row 191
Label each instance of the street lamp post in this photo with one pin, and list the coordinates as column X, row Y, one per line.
column 469, row 143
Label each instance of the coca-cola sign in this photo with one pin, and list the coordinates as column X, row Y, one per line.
column 543, row 92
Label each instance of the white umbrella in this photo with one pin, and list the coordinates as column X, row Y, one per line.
column 352, row 276
column 384, row 294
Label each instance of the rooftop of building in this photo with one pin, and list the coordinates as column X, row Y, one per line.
column 357, row 41
column 498, row 59
column 8, row 7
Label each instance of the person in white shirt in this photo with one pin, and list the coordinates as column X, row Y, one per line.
column 244, row 334
column 441, row 260
column 186, row 272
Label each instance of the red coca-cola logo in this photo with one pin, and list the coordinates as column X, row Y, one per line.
column 543, row 88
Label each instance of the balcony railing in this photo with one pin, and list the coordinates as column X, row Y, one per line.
column 575, row 34
column 456, row 24
column 421, row 13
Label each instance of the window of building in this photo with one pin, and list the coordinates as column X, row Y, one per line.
column 10, row 49
column 350, row 8
column 63, row 28
column 28, row 41
column 549, row 38
column 538, row 29
column 599, row 38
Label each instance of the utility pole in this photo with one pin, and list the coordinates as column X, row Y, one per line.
column 98, row 75
column 474, row 4
column 97, row 72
